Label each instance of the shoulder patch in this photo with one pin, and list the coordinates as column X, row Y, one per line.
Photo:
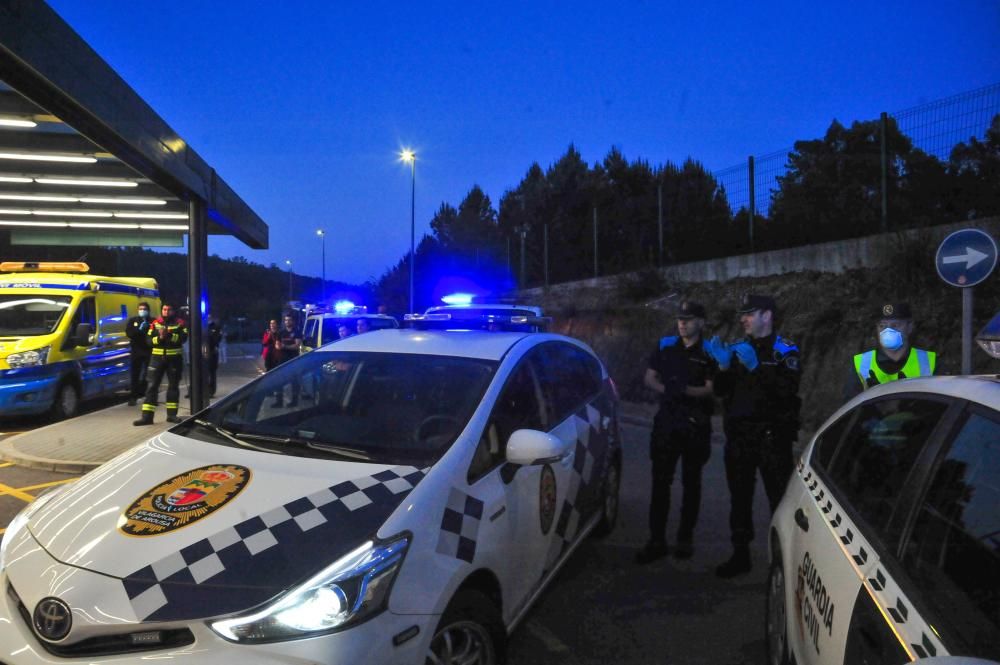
column 668, row 341
column 784, row 346
column 792, row 362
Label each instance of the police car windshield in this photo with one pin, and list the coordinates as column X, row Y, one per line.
column 380, row 407
column 24, row 316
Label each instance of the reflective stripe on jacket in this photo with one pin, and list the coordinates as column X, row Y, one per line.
column 918, row 363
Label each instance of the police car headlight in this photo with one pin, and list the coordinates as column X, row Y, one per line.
column 352, row 589
column 28, row 358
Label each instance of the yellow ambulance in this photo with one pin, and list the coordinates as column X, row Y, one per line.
column 62, row 335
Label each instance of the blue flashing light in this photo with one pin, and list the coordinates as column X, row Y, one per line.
column 204, row 307
column 458, row 299
column 343, row 307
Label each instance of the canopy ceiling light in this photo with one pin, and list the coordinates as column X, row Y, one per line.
column 38, row 157
column 81, row 199
column 17, row 179
column 86, row 183
column 94, row 225
column 151, row 215
column 17, row 122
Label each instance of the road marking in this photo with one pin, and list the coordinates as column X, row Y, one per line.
column 48, row 484
column 551, row 642
column 13, row 491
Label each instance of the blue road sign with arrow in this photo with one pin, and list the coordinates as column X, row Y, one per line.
column 967, row 257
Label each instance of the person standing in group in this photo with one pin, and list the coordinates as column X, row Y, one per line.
column 758, row 381
column 137, row 329
column 680, row 372
column 894, row 358
column 271, row 346
column 167, row 335
column 213, row 339
column 290, row 345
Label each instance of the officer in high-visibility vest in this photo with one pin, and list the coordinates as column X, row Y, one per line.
column 894, row 358
column 167, row 335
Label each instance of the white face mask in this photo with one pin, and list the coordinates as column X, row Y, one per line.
column 144, row 313
column 891, row 339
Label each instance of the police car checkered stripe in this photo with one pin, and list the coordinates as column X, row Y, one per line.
column 910, row 626
column 248, row 563
column 584, row 486
column 460, row 526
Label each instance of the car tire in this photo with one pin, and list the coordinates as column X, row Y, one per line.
column 775, row 614
column 470, row 631
column 67, row 402
column 609, row 500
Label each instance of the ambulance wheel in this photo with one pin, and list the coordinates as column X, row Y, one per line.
column 471, row 632
column 775, row 616
column 67, row 402
column 609, row 501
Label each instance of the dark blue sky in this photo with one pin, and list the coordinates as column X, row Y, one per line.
column 302, row 106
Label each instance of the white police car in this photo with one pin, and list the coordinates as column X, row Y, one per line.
column 886, row 545
column 410, row 509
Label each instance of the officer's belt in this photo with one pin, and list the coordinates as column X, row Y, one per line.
column 167, row 352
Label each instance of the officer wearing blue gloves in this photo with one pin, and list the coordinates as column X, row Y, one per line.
column 680, row 372
column 758, row 381
column 894, row 358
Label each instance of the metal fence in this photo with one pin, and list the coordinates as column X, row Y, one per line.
column 935, row 128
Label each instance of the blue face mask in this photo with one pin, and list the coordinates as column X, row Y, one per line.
column 891, row 339
column 144, row 313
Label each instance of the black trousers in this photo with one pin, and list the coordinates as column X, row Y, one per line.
column 751, row 447
column 690, row 446
column 139, row 365
column 213, row 370
column 173, row 367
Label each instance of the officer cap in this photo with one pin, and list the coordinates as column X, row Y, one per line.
column 752, row 303
column 895, row 310
column 691, row 310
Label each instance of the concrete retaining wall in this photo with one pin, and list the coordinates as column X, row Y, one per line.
column 829, row 257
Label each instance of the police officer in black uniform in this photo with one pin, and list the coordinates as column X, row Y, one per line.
column 167, row 335
column 681, row 373
column 213, row 339
column 137, row 329
column 758, row 381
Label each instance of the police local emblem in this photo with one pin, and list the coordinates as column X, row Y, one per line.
column 547, row 498
column 887, row 310
column 184, row 499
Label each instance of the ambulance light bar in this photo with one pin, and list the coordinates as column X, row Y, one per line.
column 44, row 266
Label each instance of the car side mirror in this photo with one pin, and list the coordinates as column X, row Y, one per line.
column 81, row 336
column 528, row 447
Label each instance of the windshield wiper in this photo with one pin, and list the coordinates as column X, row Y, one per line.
column 350, row 453
column 229, row 435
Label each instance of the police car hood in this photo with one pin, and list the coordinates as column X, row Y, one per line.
column 193, row 529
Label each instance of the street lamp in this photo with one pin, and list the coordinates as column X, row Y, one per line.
column 410, row 157
column 289, row 264
column 322, row 234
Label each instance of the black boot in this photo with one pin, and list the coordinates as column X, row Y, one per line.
column 738, row 564
column 172, row 416
column 684, row 549
column 651, row 551
column 146, row 418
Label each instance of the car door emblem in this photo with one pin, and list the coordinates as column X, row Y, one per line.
column 52, row 619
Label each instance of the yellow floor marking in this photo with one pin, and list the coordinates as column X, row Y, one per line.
column 1, row 531
column 48, row 484
column 6, row 464
column 13, row 491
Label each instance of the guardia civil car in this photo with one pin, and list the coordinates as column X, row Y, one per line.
column 886, row 545
column 419, row 496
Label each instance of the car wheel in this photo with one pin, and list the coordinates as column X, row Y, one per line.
column 609, row 501
column 66, row 403
column 775, row 616
column 471, row 632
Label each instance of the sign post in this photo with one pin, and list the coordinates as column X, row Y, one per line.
column 965, row 258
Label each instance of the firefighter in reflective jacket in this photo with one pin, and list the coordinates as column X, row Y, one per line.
column 167, row 335
column 894, row 358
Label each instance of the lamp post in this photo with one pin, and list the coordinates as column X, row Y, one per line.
column 410, row 157
column 289, row 264
column 322, row 234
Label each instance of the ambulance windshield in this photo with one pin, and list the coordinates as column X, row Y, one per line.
column 25, row 316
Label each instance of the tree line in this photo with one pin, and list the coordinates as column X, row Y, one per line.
column 831, row 190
